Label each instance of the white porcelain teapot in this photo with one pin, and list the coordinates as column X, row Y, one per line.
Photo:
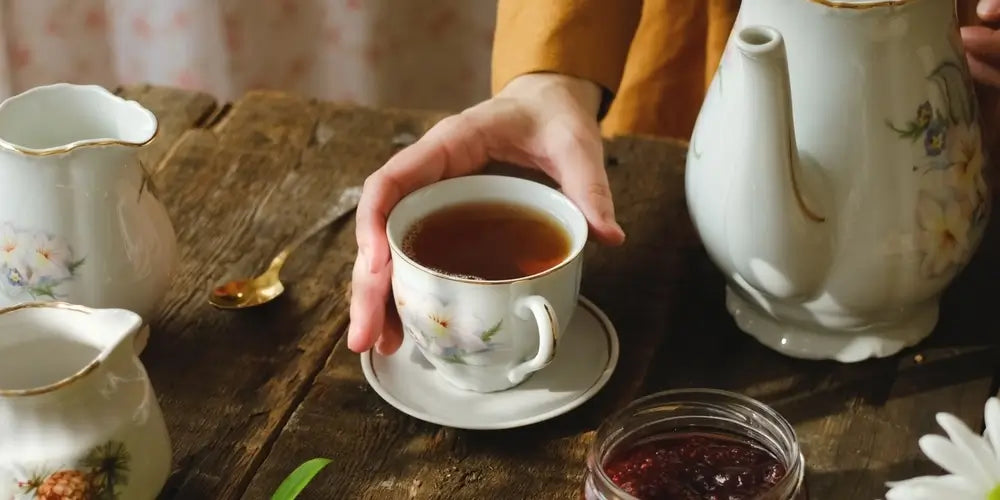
column 78, row 219
column 78, row 415
column 836, row 172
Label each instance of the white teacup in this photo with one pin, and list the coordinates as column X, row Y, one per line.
column 483, row 335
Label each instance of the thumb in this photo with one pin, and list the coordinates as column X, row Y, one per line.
column 988, row 10
column 578, row 161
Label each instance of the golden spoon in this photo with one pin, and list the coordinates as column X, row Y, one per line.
column 252, row 292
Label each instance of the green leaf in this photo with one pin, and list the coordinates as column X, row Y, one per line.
column 43, row 291
column 454, row 359
column 299, row 479
column 73, row 266
column 488, row 334
column 950, row 79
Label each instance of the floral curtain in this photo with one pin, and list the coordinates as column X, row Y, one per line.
column 412, row 53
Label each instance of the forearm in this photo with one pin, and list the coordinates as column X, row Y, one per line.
column 586, row 93
column 585, row 39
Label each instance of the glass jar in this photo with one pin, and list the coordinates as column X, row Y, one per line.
column 679, row 414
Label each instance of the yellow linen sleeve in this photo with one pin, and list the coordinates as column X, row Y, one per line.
column 587, row 39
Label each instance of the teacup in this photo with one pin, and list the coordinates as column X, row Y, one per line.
column 484, row 335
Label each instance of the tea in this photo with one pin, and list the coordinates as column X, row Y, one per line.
column 487, row 241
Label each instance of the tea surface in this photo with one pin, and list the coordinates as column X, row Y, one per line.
column 487, row 241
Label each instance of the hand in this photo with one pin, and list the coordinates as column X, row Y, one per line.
column 982, row 45
column 544, row 121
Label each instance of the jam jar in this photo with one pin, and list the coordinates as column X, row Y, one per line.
column 695, row 444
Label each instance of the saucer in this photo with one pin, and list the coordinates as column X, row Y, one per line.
column 584, row 361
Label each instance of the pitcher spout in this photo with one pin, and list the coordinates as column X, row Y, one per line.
column 58, row 118
column 777, row 226
column 119, row 328
column 50, row 346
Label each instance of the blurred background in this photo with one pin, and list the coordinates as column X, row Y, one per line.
column 411, row 53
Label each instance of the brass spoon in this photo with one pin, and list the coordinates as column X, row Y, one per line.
column 252, row 292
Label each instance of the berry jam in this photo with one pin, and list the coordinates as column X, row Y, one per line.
column 695, row 466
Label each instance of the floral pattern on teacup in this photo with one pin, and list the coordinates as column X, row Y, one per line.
column 98, row 475
column 444, row 330
column 34, row 264
column 953, row 199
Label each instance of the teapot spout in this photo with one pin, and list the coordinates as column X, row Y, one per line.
column 776, row 227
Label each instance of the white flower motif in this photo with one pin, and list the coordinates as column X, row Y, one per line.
column 13, row 247
column 973, row 462
column 966, row 163
column 448, row 328
column 944, row 238
column 49, row 259
column 442, row 330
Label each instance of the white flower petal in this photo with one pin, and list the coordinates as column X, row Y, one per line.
column 935, row 181
column 957, row 224
column 972, row 444
column 940, row 263
column 954, row 460
column 930, row 215
column 992, row 414
column 469, row 343
column 948, row 487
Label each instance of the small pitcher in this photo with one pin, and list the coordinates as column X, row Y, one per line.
column 78, row 415
column 79, row 219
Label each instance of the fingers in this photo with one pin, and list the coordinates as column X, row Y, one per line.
column 369, row 292
column 982, row 41
column 578, row 165
column 982, row 72
column 392, row 333
column 452, row 147
column 988, row 10
column 982, row 46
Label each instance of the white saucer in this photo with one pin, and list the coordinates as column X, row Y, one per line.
column 585, row 359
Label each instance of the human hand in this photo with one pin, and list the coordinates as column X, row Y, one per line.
column 543, row 121
column 982, row 44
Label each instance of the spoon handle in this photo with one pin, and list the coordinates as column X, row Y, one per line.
column 346, row 204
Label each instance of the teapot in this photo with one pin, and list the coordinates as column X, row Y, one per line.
column 836, row 172
column 79, row 218
column 78, row 415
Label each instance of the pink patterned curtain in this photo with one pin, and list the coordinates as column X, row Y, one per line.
column 413, row 53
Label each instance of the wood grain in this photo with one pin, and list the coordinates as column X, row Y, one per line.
column 858, row 424
column 177, row 111
column 381, row 453
column 238, row 192
column 250, row 395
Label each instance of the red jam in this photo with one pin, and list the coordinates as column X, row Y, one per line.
column 695, row 466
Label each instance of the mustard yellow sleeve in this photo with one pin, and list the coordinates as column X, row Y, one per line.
column 587, row 39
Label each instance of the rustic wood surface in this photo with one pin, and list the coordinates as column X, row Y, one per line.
column 250, row 395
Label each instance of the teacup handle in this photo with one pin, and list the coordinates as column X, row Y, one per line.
column 548, row 329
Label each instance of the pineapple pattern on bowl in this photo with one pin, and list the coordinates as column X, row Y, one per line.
column 34, row 264
column 953, row 199
column 98, row 475
column 443, row 331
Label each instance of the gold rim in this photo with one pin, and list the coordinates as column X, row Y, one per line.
column 86, row 370
column 395, row 251
column 78, row 145
column 458, row 279
column 835, row 4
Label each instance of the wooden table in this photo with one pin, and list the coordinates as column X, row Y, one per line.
column 250, row 395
